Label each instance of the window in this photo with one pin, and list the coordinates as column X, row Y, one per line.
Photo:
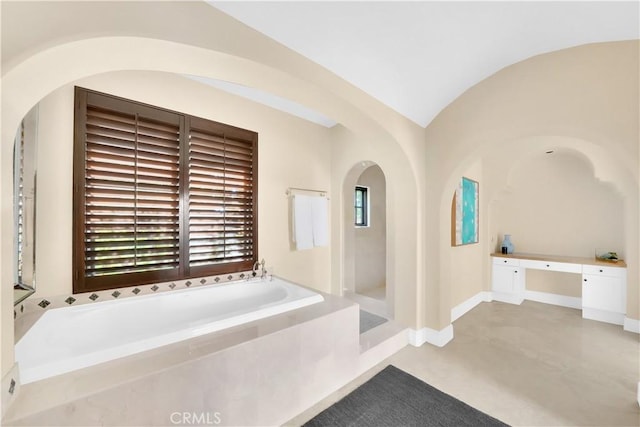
column 18, row 191
column 159, row 195
column 24, row 202
column 362, row 206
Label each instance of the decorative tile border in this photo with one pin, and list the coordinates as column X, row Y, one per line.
column 10, row 388
column 42, row 304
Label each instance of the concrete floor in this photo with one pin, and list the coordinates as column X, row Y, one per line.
column 528, row 365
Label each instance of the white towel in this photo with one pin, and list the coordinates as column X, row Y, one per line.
column 319, row 213
column 302, row 222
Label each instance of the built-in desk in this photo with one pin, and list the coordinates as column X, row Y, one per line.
column 604, row 284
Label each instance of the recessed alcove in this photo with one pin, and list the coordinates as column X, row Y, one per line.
column 556, row 205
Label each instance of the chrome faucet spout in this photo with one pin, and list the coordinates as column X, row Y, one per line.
column 259, row 265
column 254, row 269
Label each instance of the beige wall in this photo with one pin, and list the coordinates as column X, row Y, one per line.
column 467, row 261
column 54, row 202
column 583, row 99
column 555, row 205
column 371, row 241
column 278, row 133
column 567, row 284
column 588, row 94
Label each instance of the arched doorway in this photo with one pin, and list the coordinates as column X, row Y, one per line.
column 365, row 222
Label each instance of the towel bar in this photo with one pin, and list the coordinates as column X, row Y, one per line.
column 290, row 191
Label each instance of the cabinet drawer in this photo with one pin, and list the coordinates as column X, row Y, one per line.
column 506, row 261
column 603, row 270
column 551, row 266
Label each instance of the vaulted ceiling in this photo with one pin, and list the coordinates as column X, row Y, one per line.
column 417, row 57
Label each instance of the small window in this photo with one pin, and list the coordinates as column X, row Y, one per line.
column 362, row 207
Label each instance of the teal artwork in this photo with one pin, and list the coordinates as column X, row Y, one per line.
column 465, row 215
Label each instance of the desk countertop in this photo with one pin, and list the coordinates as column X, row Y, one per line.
column 558, row 258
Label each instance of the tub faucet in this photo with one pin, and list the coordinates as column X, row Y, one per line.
column 256, row 265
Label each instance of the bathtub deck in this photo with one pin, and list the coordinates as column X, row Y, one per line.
column 277, row 367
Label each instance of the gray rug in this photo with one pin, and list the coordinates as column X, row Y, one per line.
column 369, row 321
column 394, row 398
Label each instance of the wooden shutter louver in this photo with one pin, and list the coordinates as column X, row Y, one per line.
column 221, row 196
column 159, row 195
column 131, row 194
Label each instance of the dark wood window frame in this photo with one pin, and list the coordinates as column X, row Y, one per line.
column 159, row 195
column 361, row 210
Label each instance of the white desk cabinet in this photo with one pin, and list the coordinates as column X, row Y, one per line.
column 507, row 281
column 603, row 294
column 604, row 286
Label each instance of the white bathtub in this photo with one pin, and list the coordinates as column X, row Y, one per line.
column 70, row 338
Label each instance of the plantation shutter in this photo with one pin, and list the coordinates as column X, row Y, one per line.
column 222, row 196
column 132, row 193
column 159, row 195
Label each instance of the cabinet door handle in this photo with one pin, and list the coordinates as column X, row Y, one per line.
column 547, row 265
column 515, row 271
column 584, row 280
column 505, row 261
column 600, row 271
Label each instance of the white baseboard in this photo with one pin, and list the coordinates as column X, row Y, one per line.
column 417, row 338
column 468, row 305
column 510, row 298
column 547, row 298
column 603, row 316
column 632, row 325
column 437, row 338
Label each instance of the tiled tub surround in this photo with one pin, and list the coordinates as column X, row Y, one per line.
column 70, row 338
column 10, row 388
column 34, row 306
column 260, row 373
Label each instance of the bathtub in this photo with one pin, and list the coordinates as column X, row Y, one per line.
column 70, row 338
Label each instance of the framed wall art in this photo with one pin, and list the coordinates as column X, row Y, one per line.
column 464, row 213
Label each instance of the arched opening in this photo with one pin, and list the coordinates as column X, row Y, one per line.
column 365, row 230
column 556, row 195
column 54, row 86
column 555, row 200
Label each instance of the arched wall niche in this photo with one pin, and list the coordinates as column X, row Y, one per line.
column 500, row 163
